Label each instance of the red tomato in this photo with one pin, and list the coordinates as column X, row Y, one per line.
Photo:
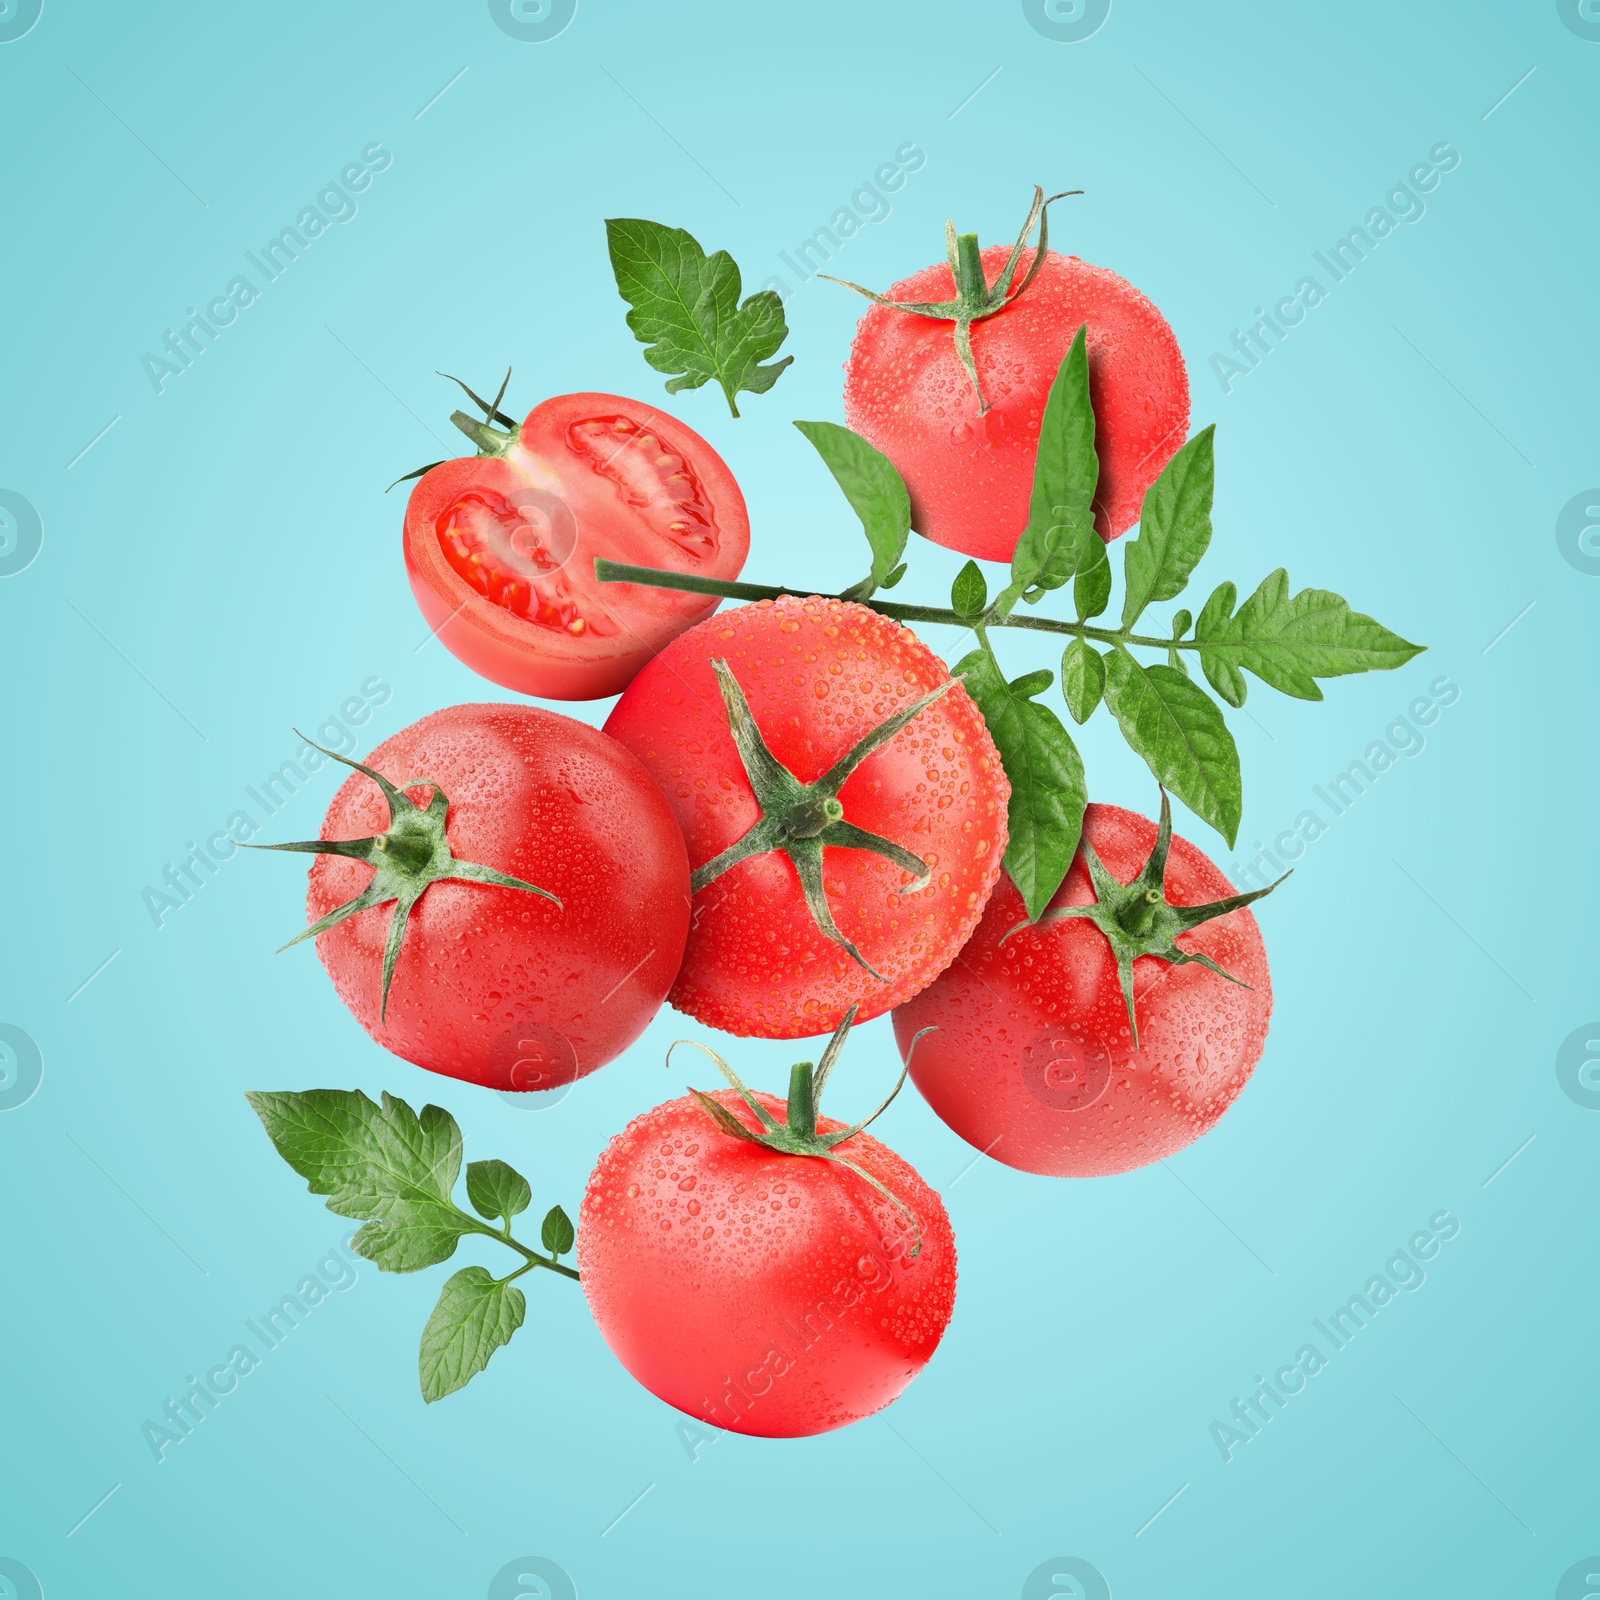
column 970, row 476
column 768, row 1293
column 498, row 985
column 1034, row 1061
column 819, row 675
column 500, row 548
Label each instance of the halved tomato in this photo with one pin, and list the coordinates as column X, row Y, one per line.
column 500, row 547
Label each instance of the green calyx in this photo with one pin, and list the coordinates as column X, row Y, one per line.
column 1136, row 918
column 802, row 819
column 490, row 440
column 797, row 1134
column 412, row 853
column 976, row 298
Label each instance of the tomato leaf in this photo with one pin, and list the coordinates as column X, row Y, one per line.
column 1048, row 793
column 385, row 1165
column 1031, row 683
column 476, row 1314
column 1180, row 626
column 1178, row 729
column 497, row 1190
column 876, row 492
column 969, row 593
column 1289, row 641
column 395, row 1170
column 1083, row 679
column 1059, row 542
column 1091, row 587
column 557, row 1232
column 686, row 310
column 1225, row 678
column 1174, row 528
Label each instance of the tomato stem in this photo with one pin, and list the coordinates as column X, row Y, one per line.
column 531, row 1258
column 488, row 438
column 975, row 298
column 412, row 853
column 970, row 285
column 1136, row 918
column 802, row 1100
column 797, row 1134
column 800, row 819
column 660, row 578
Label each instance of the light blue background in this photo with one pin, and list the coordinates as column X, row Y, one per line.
column 222, row 564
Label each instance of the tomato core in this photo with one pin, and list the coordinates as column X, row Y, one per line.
column 511, row 548
column 650, row 476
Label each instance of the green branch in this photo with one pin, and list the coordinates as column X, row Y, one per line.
column 659, row 578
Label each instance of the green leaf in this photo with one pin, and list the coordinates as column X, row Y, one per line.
column 557, row 1232
column 894, row 577
column 969, row 594
column 1178, row 729
column 1181, row 624
column 497, row 1190
column 1056, row 543
column 1222, row 675
column 382, row 1164
column 1289, row 641
column 686, row 310
column 1083, row 679
column 1174, row 528
column 1225, row 678
column 876, row 492
column 476, row 1314
column 1031, row 683
column 1048, row 793
column 1091, row 588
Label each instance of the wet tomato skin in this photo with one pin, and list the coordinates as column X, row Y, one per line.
column 771, row 1294
column 971, row 476
column 494, row 985
column 500, row 550
column 819, row 675
column 1034, row 1060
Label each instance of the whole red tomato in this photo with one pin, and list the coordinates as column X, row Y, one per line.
column 970, row 473
column 830, row 870
column 513, row 912
column 500, row 547
column 770, row 1293
column 1034, row 1060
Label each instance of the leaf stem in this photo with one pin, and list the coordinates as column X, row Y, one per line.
column 531, row 1258
column 657, row 578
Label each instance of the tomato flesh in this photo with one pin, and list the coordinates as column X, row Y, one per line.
column 511, row 553
column 1034, row 1062
column 650, row 475
column 770, row 1294
column 500, row 550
